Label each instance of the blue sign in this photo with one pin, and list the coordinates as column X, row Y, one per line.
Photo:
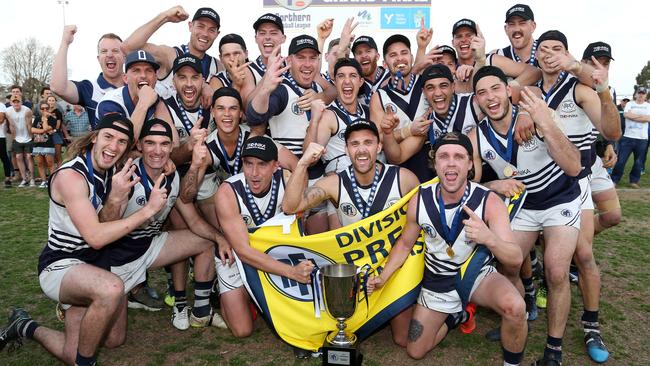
column 405, row 18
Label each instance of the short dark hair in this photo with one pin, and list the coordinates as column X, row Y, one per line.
column 16, row 86
column 342, row 62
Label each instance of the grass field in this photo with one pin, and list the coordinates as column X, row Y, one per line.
column 622, row 253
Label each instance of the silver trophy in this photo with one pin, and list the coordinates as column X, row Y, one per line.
column 340, row 289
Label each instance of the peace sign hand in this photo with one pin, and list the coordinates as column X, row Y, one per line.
column 158, row 197
column 599, row 76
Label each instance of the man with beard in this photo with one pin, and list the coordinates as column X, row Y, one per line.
column 73, row 267
column 546, row 166
column 463, row 223
column 137, row 99
column 88, row 93
column 519, row 27
column 365, row 51
column 363, row 189
column 204, row 29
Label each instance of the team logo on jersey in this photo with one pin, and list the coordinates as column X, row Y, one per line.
column 429, row 230
column 568, row 107
column 530, row 145
column 566, row 213
column 293, row 256
column 391, row 202
column 181, row 132
column 248, row 221
column 437, row 133
column 467, row 129
column 489, row 155
column 141, row 200
column 296, row 110
column 348, row 209
column 390, row 107
column 341, row 134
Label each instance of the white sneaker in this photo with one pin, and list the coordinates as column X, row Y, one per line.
column 23, row 184
column 43, row 185
column 214, row 319
column 32, row 183
column 180, row 319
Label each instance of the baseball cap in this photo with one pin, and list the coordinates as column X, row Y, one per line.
column 269, row 18
column 488, row 71
column 150, row 123
column 227, row 91
column 454, row 138
column 187, row 60
column 437, row 71
column 396, row 38
column 140, row 56
column 342, row 62
column 464, row 23
column 260, row 147
column 448, row 50
column 597, row 49
column 367, row 40
column 232, row 38
column 302, row 42
column 642, row 90
column 361, row 124
column 521, row 10
column 114, row 121
column 553, row 35
column 207, row 13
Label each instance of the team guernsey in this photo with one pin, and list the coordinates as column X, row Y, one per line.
column 575, row 122
column 256, row 210
column 90, row 92
column 63, row 238
column 509, row 52
column 370, row 87
column 185, row 118
column 461, row 117
column 448, row 249
column 546, row 183
column 209, row 68
column 335, row 158
column 136, row 243
column 357, row 202
column 119, row 101
column 231, row 164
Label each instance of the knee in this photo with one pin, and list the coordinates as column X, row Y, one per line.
column 416, row 353
column 111, row 292
column 584, row 257
column 242, row 331
column 611, row 218
column 513, row 307
column 115, row 341
column 557, row 275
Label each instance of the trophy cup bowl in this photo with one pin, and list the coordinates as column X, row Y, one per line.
column 340, row 286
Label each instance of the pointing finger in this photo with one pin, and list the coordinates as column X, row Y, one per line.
column 158, row 183
column 469, row 212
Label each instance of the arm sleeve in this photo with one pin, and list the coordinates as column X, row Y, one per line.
column 278, row 101
column 84, row 91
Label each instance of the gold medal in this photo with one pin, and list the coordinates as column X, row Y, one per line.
column 508, row 171
column 431, row 154
column 450, row 252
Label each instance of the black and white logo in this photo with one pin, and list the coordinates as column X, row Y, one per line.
column 248, row 221
column 141, row 201
column 489, row 155
column 566, row 213
column 568, row 107
column 348, row 209
column 429, row 231
column 530, row 145
column 296, row 109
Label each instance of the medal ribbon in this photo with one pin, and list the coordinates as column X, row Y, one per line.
column 450, row 233
column 91, row 172
column 505, row 154
column 445, row 126
column 364, row 207
column 257, row 215
column 557, row 83
column 398, row 77
column 357, row 115
column 297, row 88
column 184, row 118
column 260, row 64
column 236, row 154
column 531, row 58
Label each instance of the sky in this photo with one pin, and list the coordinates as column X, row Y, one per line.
column 623, row 24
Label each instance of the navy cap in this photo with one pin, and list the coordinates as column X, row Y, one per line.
column 361, row 124
column 520, row 10
column 553, row 35
column 464, row 23
column 227, row 91
column 232, row 38
column 207, row 13
column 269, row 18
column 260, row 147
column 187, row 60
column 117, row 122
column 150, row 123
column 454, row 138
column 302, row 42
column 448, row 50
column 489, row 71
column 368, row 41
column 642, row 90
column 343, row 62
column 437, row 71
column 396, row 38
column 597, row 49
column 140, row 56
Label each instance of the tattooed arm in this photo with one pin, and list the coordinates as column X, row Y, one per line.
column 192, row 180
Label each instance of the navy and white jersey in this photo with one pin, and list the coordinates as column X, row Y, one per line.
column 335, row 158
column 370, row 87
column 224, row 78
column 388, row 192
column 573, row 120
column 238, row 184
column 258, row 68
column 209, row 68
column 192, row 115
column 90, row 92
column 546, row 183
column 119, row 101
column 63, row 238
column 408, row 107
column 232, row 165
column 509, row 52
column 439, row 268
column 463, row 118
column 136, row 243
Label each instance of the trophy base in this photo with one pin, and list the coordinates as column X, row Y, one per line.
column 341, row 355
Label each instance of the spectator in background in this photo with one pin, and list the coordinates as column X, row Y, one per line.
column 17, row 92
column 635, row 138
column 621, row 109
column 6, row 162
column 57, row 134
column 42, row 130
column 45, row 93
column 76, row 122
column 20, row 122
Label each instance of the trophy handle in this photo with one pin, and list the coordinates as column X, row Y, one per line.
column 363, row 274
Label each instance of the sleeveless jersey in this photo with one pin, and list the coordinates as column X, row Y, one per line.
column 546, row 183
column 574, row 120
column 370, row 87
column 209, row 68
column 440, row 269
column 192, row 115
column 119, row 101
column 219, row 156
column 463, row 119
column 238, row 184
column 63, row 238
column 388, row 192
column 335, row 158
column 136, row 243
column 90, row 92
column 258, row 68
column 509, row 52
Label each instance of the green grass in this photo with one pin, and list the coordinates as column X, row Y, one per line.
column 622, row 253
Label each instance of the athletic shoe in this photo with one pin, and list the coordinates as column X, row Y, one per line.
column 548, row 360
column 635, row 185
column 152, row 292
column 11, row 333
column 180, row 319
column 142, row 300
column 22, row 184
column 214, row 320
column 170, row 300
column 531, row 307
column 596, row 349
column 7, row 183
column 541, row 300
column 642, row 171
column 43, row 185
column 469, row 325
column 32, row 183
column 301, row 354
column 494, row 335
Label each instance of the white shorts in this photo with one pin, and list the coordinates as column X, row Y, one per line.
column 565, row 214
column 586, row 203
column 208, row 187
column 450, row 302
column 51, row 277
column 135, row 272
column 600, row 179
column 229, row 277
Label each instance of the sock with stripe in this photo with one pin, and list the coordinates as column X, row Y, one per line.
column 590, row 321
column 27, row 329
column 512, row 358
column 529, row 287
column 85, row 361
column 181, row 299
column 553, row 348
column 201, row 298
